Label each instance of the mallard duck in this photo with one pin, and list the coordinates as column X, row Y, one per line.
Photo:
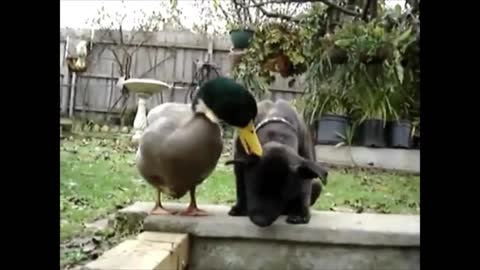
column 182, row 143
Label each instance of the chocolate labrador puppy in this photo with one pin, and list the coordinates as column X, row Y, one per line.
column 281, row 181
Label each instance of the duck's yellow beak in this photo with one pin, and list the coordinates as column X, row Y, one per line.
column 249, row 139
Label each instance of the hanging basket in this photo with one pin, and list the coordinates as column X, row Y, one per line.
column 241, row 38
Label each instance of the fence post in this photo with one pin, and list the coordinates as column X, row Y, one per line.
column 72, row 93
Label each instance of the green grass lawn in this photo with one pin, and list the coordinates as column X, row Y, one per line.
column 98, row 176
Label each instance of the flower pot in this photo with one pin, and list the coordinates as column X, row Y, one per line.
column 371, row 133
column 241, row 38
column 332, row 129
column 400, row 134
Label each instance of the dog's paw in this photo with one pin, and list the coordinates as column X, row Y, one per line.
column 298, row 219
column 237, row 211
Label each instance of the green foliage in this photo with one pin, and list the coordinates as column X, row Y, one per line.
column 361, row 69
column 373, row 81
column 234, row 25
column 245, row 74
column 272, row 41
column 324, row 91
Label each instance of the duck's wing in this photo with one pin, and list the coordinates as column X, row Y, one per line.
column 169, row 110
column 162, row 121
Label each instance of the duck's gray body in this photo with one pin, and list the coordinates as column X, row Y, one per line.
column 178, row 149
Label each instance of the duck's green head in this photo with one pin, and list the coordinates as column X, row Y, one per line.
column 223, row 98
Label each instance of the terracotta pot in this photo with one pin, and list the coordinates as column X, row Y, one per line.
column 280, row 63
column 285, row 67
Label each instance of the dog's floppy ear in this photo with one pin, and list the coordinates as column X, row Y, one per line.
column 249, row 160
column 310, row 169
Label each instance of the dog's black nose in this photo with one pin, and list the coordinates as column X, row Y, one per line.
column 261, row 221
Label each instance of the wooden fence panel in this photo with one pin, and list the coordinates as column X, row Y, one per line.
column 167, row 56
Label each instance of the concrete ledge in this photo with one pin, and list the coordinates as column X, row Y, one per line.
column 383, row 158
column 332, row 241
column 324, row 227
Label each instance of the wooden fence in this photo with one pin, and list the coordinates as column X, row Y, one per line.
column 169, row 56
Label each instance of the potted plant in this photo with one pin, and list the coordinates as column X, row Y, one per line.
column 399, row 133
column 400, row 126
column 371, row 129
column 330, row 102
column 404, row 99
column 375, row 72
column 371, row 108
column 334, row 121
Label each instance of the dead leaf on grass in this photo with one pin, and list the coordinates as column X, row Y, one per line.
column 89, row 247
column 343, row 209
column 98, row 225
column 123, row 189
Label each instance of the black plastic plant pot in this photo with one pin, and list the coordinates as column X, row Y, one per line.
column 400, row 134
column 241, row 38
column 332, row 129
column 371, row 133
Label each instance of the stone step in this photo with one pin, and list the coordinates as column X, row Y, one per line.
column 331, row 241
column 149, row 251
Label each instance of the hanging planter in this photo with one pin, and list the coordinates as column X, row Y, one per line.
column 284, row 65
column 279, row 63
column 241, row 38
column 400, row 134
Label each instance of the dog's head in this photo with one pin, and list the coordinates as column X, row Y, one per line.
column 274, row 179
